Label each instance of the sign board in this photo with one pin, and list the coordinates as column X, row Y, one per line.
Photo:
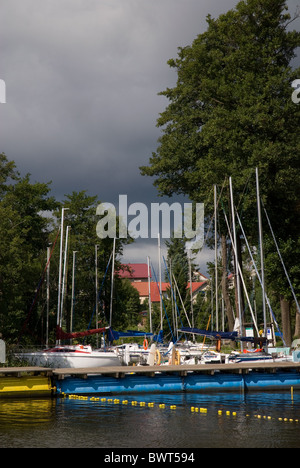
column 2, row 352
column 249, row 332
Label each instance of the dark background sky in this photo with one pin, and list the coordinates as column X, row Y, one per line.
column 82, row 80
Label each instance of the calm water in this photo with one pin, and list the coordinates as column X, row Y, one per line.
column 84, row 424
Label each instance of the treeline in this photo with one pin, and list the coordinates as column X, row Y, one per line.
column 29, row 224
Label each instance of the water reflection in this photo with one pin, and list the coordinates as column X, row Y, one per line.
column 26, row 412
column 77, row 423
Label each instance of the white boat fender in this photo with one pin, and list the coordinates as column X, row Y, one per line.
column 151, row 355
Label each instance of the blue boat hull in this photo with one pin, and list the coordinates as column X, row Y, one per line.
column 218, row 382
column 277, row 381
column 128, row 384
column 192, row 382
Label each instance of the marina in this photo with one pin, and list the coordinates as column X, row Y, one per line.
column 150, row 254
column 161, row 406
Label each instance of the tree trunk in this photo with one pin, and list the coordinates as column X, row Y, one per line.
column 225, row 285
column 286, row 320
column 297, row 327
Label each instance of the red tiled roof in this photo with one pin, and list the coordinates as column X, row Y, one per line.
column 144, row 291
column 134, row 271
column 196, row 285
column 155, row 296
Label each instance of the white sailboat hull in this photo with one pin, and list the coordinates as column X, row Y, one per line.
column 60, row 358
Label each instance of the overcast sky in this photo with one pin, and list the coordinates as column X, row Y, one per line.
column 82, row 82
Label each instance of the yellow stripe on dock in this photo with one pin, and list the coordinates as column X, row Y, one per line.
column 25, row 386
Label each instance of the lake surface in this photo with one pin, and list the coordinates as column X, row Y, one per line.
column 69, row 423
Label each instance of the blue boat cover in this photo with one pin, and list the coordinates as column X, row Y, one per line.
column 223, row 335
column 159, row 338
column 114, row 335
column 211, row 334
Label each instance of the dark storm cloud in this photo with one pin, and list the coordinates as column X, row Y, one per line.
column 82, row 81
column 82, row 78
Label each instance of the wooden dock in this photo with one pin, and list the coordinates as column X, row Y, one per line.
column 207, row 378
column 21, row 371
column 242, row 377
column 183, row 370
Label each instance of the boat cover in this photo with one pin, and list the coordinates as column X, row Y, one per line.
column 61, row 335
column 114, row 335
column 159, row 338
column 211, row 334
column 250, row 339
column 224, row 335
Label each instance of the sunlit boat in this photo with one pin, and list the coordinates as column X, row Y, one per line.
column 73, row 356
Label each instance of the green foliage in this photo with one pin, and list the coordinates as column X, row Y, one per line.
column 231, row 109
column 24, row 231
column 29, row 223
column 81, row 217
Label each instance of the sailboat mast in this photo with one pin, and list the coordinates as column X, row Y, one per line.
column 149, row 295
column 73, row 291
column 191, row 288
column 60, row 267
column 64, row 276
column 238, row 285
column 261, row 255
column 48, row 295
column 96, row 291
column 112, row 283
column 216, row 259
column 160, row 285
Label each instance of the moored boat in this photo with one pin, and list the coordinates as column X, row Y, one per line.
column 73, row 356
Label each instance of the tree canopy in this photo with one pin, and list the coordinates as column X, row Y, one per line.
column 29, row 225
column 231, row 110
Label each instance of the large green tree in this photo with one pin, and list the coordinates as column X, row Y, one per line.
column 24, row 230
column 231, row 111
column 30, row 224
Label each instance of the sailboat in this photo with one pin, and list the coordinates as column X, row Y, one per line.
column 71, row 356
column 261, row 354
